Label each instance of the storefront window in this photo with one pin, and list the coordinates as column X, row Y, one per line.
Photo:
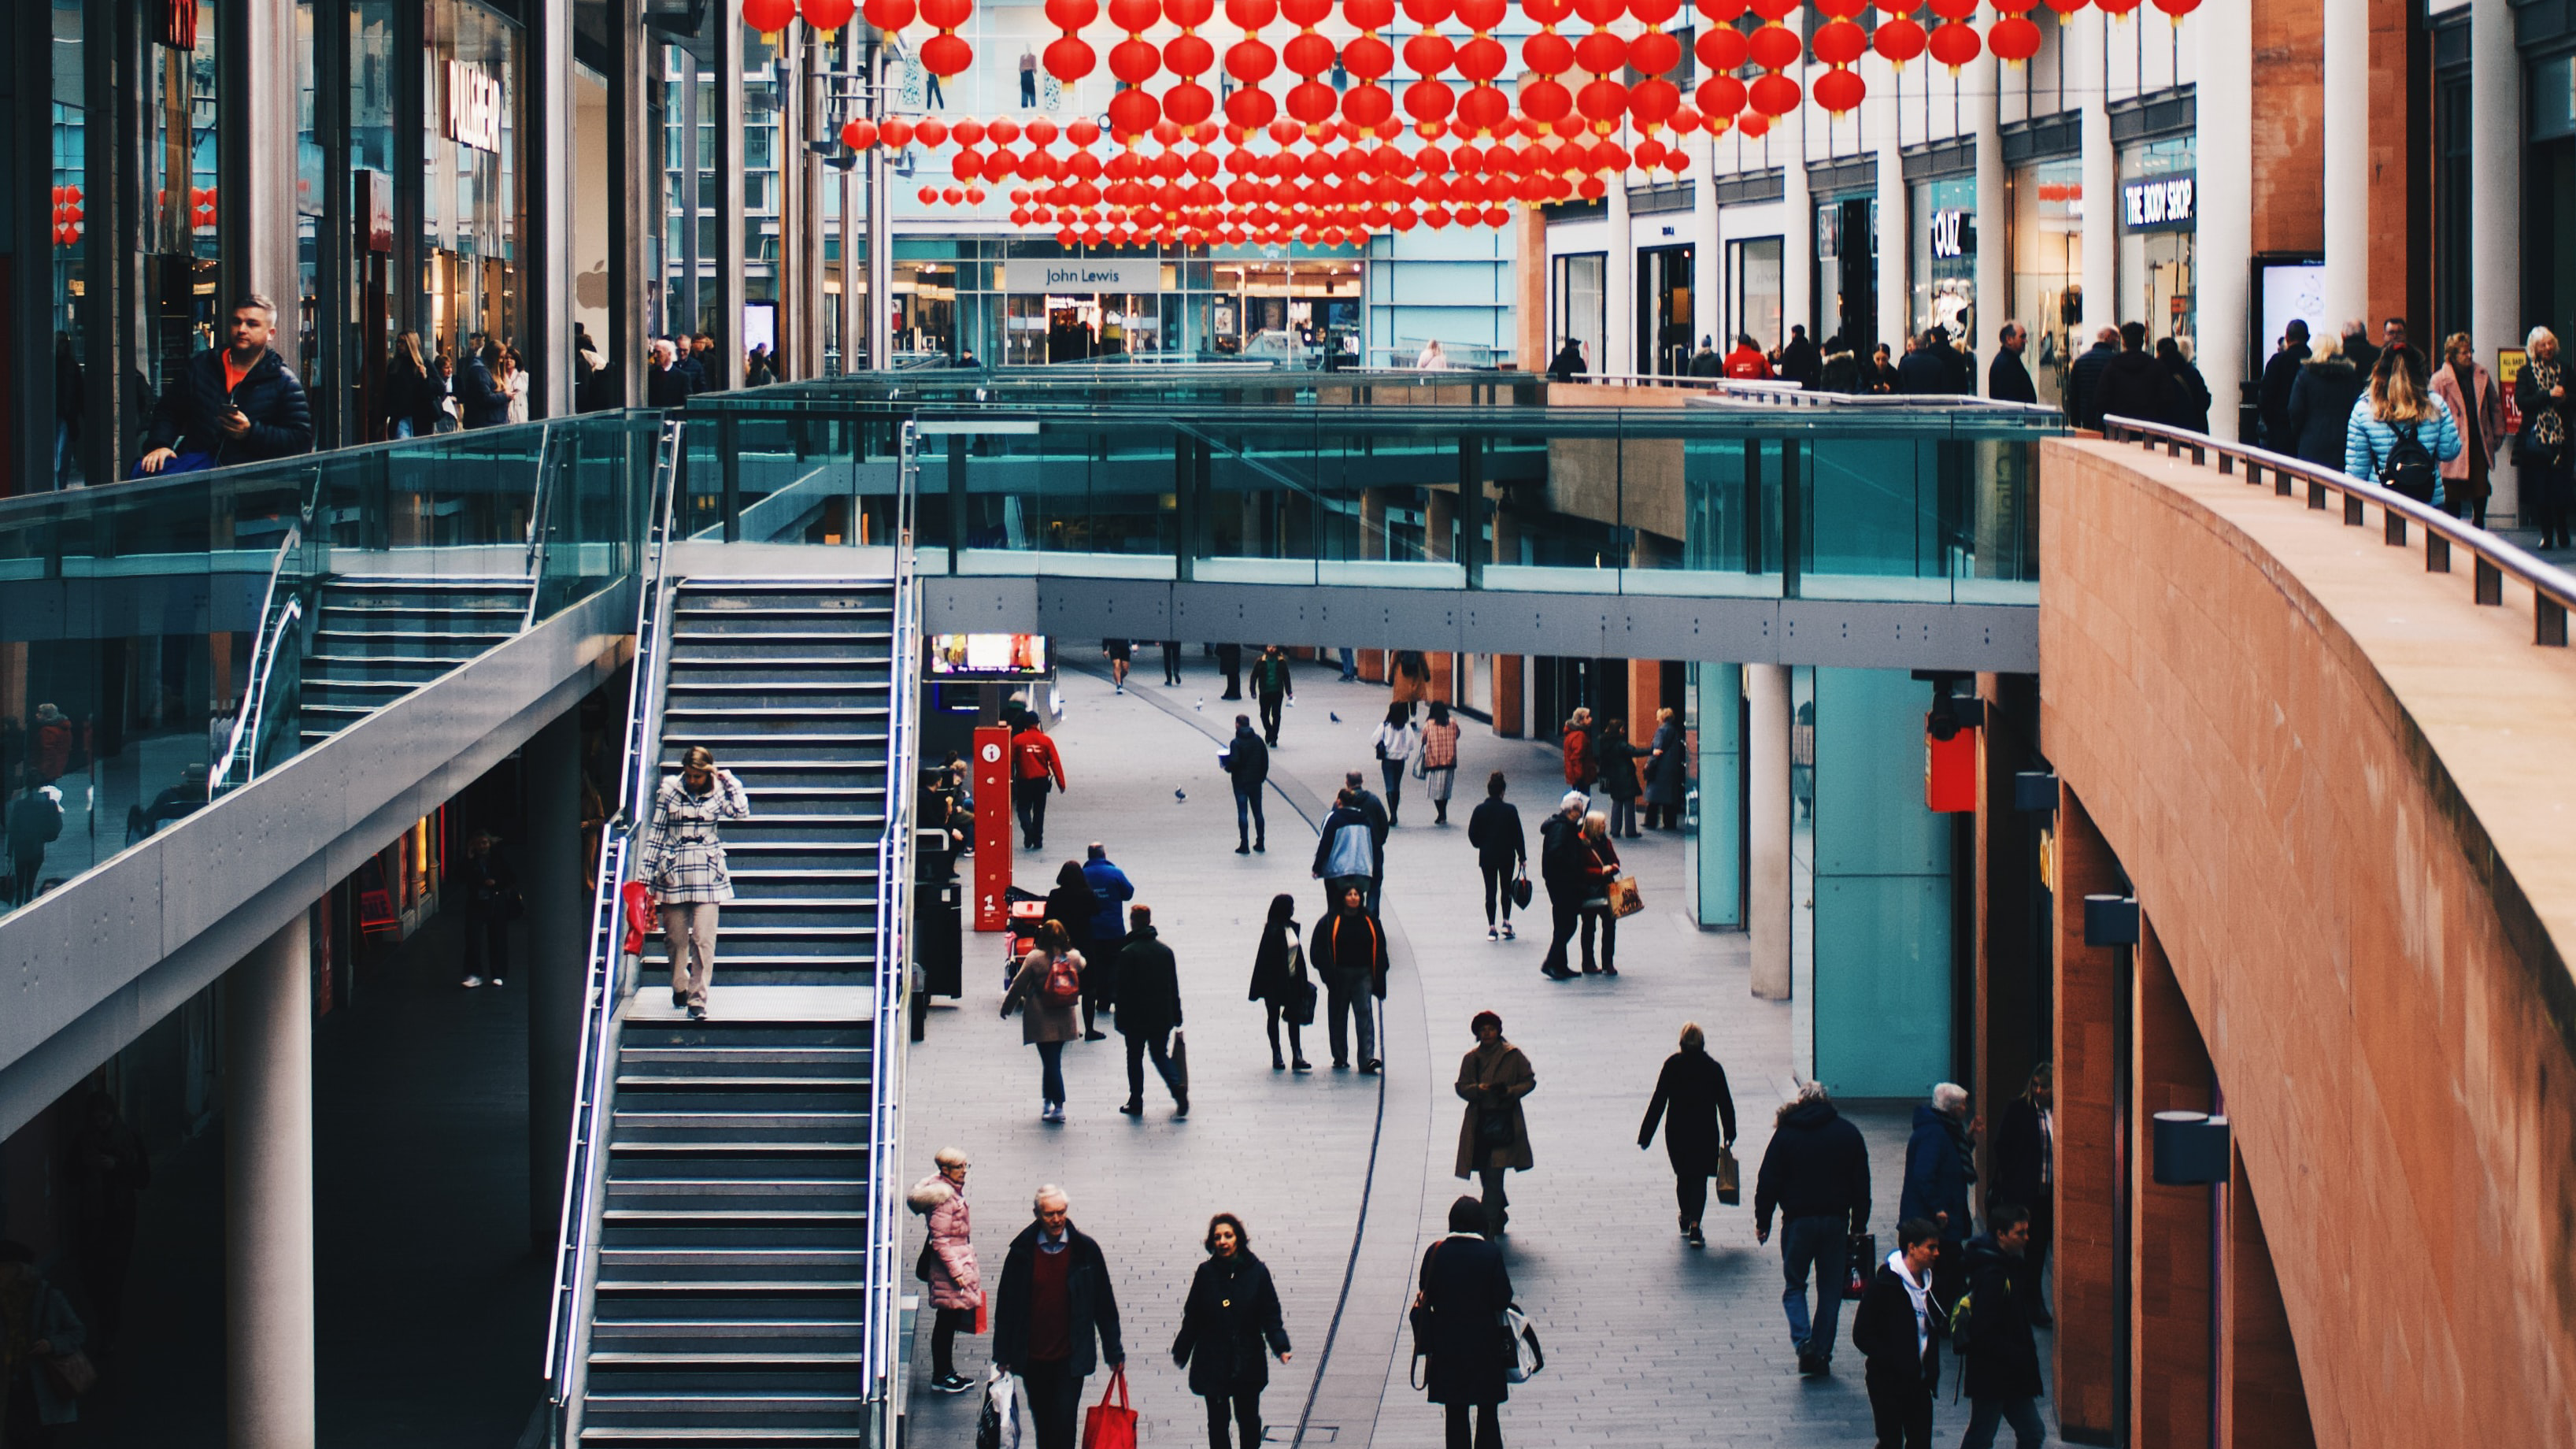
column 470, row 199
column 1579, row 308
column 370, row 329
column 2048, row 268
column 70, row 224
column 180, row 278
column 1753, row 291
column 1945, row 258
column 2159, row 233
column 1846, row 275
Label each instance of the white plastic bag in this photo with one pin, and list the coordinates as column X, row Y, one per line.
column 998, row 1425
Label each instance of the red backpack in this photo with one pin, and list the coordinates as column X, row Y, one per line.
column 1063, row 984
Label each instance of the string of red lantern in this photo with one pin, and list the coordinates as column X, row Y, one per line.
column 2011, row 35
column 1602, row 101
column 1899, row 36
column 1368, row 59
column 1189, row 56
column 828, row 16
column 1722, row 52
column 1250, row 62
column 1839, row 42
column 1545, row 55
column 1775, row 48
column 1954, row 41
column 945, row 55
column 1134, row 61
column 1652, row 101
column 1484, row 109
column 769, row 17
column 1068, row 57
column 1427, row 53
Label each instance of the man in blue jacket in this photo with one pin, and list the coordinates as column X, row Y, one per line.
column 240, row 404
column 1111, row 890
column 1940, row 1162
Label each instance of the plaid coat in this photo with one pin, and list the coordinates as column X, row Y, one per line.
column 683, row 858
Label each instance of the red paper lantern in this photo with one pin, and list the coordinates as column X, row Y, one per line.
column 769, row 17
column 2117, row 9
column 889, row 15
column 896, row 134
column 1484, row 108
column 1840, row 90
column 1429, row 102
column 1069, row 59
column 1955, row 44
column 1132, row 112
column 828, row 16
column 859, row 134
column 1754, row 125
column 2177, row 9
column 947, row 14
column 945, row 55
column 1899, row 40
column 1655, row 53
column 1838, row 42
column 2013, row 39
column 1721, row 49
column 2065, row 9
column 1773, row 95
column 1250, row 107
column 1722, row 12
column 1773, row 47
column 1721, row 99
column 929, row 195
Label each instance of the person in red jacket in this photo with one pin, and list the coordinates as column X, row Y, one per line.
column 1746, row 362
column 1036, row 769
column 1581, row 768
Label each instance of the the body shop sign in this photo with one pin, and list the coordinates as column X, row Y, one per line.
column 2162, row 202
column 473, row 107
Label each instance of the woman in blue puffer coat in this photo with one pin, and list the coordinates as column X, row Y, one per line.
column 2398, row 404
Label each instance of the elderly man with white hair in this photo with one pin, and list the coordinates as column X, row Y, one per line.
column 1940, row 1162
column 1054, row 1300
column 666, row 382
column 1563, row 865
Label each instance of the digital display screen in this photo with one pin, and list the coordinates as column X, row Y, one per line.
column 996, row 657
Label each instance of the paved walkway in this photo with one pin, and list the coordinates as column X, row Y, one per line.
column 1342, row 1184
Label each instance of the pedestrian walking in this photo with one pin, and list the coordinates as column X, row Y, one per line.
column 1581, row 767
column 2026, row 1173
column 492, row 899
column 37, row 1331
column 1895, row 1328
column 2320, row 408
column 1349, row 952
column 511, row 381
column 238, row 404
column 683, row 860
column 1381, row 821
column 1110, row 893
column 1435, row 761
column 1493, row 1139
column 947, row 1265
column 1502, row 851
column 411, row 399
column 2540, row 450
column 1562, row 868
column 1149, row 1012
column 1408, row 677
column 2478, row 409
column 1045, row 991
column 1618, row 760
column 1230, row 1323
column 1692, row 1088
column 1463, row 1291
column 51, row 741
column 1036, row 770
column 1247, row 762
column 2006, row 379
column 2398, row 433
column 1940, row 1163
column 1350, row 665
column 1121, row 654
column 2280, row 374
column 2133, row 385
column 1667, row 772
column 35, row 821
column 1072, row 905
column 2084, row 379
column 1345, row 850
column 1280, row 982
column 1271, row 685
column 1600, row 866
column 1229, row 659
column 2187, row 400
column 1171, row 662
column 1815, row 1174
column 2001, row 1373
column 1397, row 741
column 1055, row 1319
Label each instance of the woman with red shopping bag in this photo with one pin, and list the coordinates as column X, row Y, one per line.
column 947, row 1265
column 1055, row 1300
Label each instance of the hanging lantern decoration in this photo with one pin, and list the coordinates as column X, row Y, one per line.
column 1368, row 59
column 1484, row 107
column 1775, row 48
column 1310, row 101
column 769, row 17
column 2175, row 10
column 1652, row 101
column 1838, row 43
column 1602, row 101
column 1545, row 56
column 1722, row 52
column 1134, row 61
column 1754, row 126
column 1068, row 57
column 2065, row 9
column 1427, row 99
column 2117, row 9
column 1899, row 36
column 858, row 133
column 2013, row 39
column 932, row 133
column 895, row 134
column 1250, row 61
column 828, row 16
column 1954, row 41
column 1189, row 56
column 944, row 55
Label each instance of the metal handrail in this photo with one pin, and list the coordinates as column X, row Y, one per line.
column 2553, row 589
column 585, row 1164
column 263, row 656
column 538, row 509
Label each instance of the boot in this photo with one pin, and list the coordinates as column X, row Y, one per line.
column 1133, row 1107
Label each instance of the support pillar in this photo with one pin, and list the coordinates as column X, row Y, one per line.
column 2170, row 1230
column 1531, row 331
column 1718, row 840
column 2086, row 1053
column 635, row 211
column 1895, row 256
column 1768, row 907
column 557, row 965
column 1619, row 289
column 880, row 289
column 2223, row 275
column 549, row 191
column 2088, row 69
column 2495, row 215
column 1798, row 228
column 2010, row 1026
column 1505, row 672
column 726, row 18
column 268, row 1194
column 2263, row 1402
column 256, row 163
column 1707, row 255
column 1994, row 216
column 2346, row 109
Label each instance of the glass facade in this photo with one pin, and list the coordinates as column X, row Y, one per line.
column 1944, row 276
column 2048, row 268
column 470, row 217
column 1576, row 307
column 1753, row 290
column 2159, row 252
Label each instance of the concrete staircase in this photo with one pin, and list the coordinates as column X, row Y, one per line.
column 378, row 639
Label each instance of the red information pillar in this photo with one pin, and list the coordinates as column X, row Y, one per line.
column 992, row 828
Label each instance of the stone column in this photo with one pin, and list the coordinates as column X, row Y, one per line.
column 556, row 971
column 2347, row 160
column 1768, row 909
column 2088, row 42
column 268, row 1194
column 2495, row 216
column 2170, row 1227
column 1994, row 214
column 257, row 166
column 1797, row 227
column 1618, row 289
column 2225, row 208
column 1894, row 255
column 1530, row 332
column 2087, row 1085
column 1708, row 264
column 726, row 18
column 550, row 162
column 1505, row 672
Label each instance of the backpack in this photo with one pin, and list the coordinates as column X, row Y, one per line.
column 2409, row 467
column 1063, row 984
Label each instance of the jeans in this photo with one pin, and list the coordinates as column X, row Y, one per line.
column 1822, row 1243
column 1623, row 815
column 937, row 101
column 1270, row 717
column 1029, row 798
column 1171, row 661
column 1609, row 921
column 1489, row 1429
column 1245, row 1409
column 24, row 869
column 1346, row 995
column 1392, row 772
column 2034, row 1259
column 1566, row 914
column 1350, row 665
column 487, row 945
column 691, row 930
column 1138, row 1044
column 1051, row 1071
column 1247, row 811
column 1055, row 1400
column 1498, row 878
column 1987, row 1414
column 1900, row 1406
column 1028, row 88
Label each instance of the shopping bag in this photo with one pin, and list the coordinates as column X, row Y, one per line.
column 1180, row 1063
column 997, row 1424
column 980, row 1330
column 1110, row 1426
column 1863, row 1259
column 640, row 921
column 1625, row 899
column 1730, row 1184
column 1521, row 891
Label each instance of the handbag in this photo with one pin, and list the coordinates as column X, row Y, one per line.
column 1625, row 899
column 925, row 1266
column 1110, row 1426
column 1521, row 890
column 1730, row 1181
column 1862, row 1258
column 997, row 1423
column 72, row 1372
column 1523, row 1358
column 1493, row 1130
column 1180, row 1063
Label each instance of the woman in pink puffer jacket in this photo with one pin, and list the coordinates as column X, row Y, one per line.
column 947, row 1264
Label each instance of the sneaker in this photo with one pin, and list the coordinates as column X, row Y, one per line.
column 1492, row 935
column 952, row 1383
column 1278, row 1063
column 1370, row 1067
column 1508, row 933
column 1811, row 1366
column 473, row 981
column 697, row 1012
column 1694, row 1237
column 497, row 981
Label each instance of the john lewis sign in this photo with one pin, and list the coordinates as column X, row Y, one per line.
column 1072, row 277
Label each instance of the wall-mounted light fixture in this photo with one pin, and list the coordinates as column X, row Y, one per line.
column 2110, row 920
column 2035, row 791
column 2191, row 1149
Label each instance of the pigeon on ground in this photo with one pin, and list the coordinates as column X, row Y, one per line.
column 1180, row 795
column 1337, row 719
column 1201, row 706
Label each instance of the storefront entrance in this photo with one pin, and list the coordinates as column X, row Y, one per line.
column 1846, row 288
column 1664, row 311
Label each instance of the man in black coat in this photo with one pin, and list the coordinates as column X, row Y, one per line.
column 1816, row 1173
column 2358, row 349
column 1930, row 369
column 1247, row 760
column 1897, row 1330
column 2002, row 1373
column 2279, row 376
column 2134, row 385
column 2084, row 379
column 1561, row 868
column 479, row 403
column 666, row 382
column 1706, row 362
column 1149, row 1011
column 1054, row 1298
column 239, row 404
column 2006, row 379
column 1800, row 362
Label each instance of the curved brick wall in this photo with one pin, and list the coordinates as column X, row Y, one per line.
column 2347, row 798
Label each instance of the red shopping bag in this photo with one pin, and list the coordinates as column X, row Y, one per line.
column 1110, row 1426
column 639, row 915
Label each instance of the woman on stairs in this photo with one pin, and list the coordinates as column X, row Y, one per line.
column 683, row 860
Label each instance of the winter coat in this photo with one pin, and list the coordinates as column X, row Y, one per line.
column 411, row 397
column 1567, row 365
column 281, row 420
column 1886, row 1333
column 1149, row 986
column 1580, row 768
column 1230, row 1317
column 2320, row 406
column 955, row 1281
column 1094, row 1308
column 1746, row 364
column 1693, row 1087
column 2367, row 441
column 683, row 857
column 666, row 387
column 1379, row 825
column 1466, row 1287
column 2279, row 376
column 1841, row 373
column 1409, row 677
column 1494, row 1064
column 1034, row 756
column 1247, row 760
column 1563, row 863
column 2187, row 397
column 2487, row 412
column 480, row 403
column 1928, row 372
column 491, row 886
column 2544, row 419
column 2019, row 1148
column 2083, row 384
column 2136, row 386
column 1668, row 771
column 1347, row 845
column 1272, row 978
column 1816, row 1166
column 1440, row 746
column 1937, row 1173
column 1345, row 945
column 1072, row 907
column 1270, row 675
column 1397, row 744
column 31, row 1308
column 1800, row 362
column 1110, row 892
column 1041, row 1019
column 2007, row 380
column 1619, row 768
column 35, row 821
column 1495, row 833
column 1600, row 862
column 2003, row 1358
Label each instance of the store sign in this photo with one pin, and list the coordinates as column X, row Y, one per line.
column 473, row 107
column 2158, row 203
column 1953, row 235
column 1080, row 277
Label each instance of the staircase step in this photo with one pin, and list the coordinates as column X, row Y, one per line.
column 739, row 1147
